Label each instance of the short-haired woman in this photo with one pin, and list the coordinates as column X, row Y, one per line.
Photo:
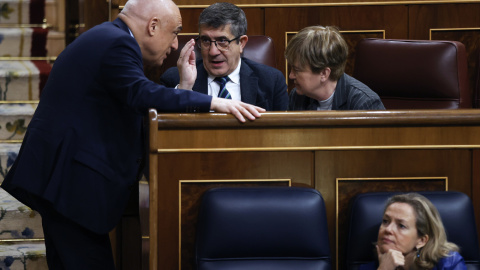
column 317, row 56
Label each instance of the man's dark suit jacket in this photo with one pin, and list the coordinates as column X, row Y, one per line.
column 260, row 85
column 84, row 146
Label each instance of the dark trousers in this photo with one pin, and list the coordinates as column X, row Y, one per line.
column 70, row 246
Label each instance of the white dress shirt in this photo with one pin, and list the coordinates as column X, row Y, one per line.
column 233, row 86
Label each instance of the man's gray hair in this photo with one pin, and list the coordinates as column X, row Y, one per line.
column 222, row 14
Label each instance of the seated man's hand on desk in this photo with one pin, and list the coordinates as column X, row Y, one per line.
column 186, row 66
column 239, row 109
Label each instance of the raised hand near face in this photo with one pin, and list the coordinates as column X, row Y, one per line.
column 390, row 260
column 186, row 66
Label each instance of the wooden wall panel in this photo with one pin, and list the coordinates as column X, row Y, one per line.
column 95, row 12
column 422, row 18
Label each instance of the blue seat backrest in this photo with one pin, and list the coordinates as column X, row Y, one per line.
column 262, row 228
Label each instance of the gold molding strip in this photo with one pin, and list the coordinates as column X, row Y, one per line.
column 381, row 3
column 366, row 3
column 233, row 181
column 338, row 179
column 180, row 182
column 11, row 141
column 315, row 148
column 22, row 240
column 19, row 101
column 450, row 29
column 373, row 179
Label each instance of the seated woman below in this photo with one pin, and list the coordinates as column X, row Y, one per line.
column 412, row 236
column 317, row 56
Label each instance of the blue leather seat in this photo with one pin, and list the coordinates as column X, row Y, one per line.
column 366, row 213
column 263, row 228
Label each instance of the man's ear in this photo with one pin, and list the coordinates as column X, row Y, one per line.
column 243, row 41
column 325, row 74
column 153, row 26
column 422, row 241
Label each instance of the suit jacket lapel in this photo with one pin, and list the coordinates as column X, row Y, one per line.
column 248, row 84
column 201, row 83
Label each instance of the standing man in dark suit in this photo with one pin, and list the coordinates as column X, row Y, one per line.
column 222, row 37
column 84, row 148
column 317, row 56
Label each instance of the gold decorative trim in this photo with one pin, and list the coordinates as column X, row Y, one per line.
column 180, row 182
column 145, row 237
column 233, row 181
column 343, row 31
column 337, row 180
column 143, row 182
column 382, row 3
column 366, row 3
column 314, row 148
column 22, row 240
column 11, row 141
column 450, row 29
column 19, row 101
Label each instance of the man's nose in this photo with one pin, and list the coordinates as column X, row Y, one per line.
column 213, row 49
column 175, row 44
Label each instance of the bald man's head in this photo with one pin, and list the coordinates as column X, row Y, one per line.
column 155, row 25
column 145, row 9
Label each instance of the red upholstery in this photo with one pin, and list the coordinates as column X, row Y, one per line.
column 259, row 49
column 415, row 74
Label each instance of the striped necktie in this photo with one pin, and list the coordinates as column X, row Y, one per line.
column 223, row 93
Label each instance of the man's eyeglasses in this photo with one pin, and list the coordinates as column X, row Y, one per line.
column 222, row 44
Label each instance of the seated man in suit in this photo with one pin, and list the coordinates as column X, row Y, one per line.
column 222, row 37
column 317, row 56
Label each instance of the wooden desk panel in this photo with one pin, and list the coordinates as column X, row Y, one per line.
column 402, row 150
